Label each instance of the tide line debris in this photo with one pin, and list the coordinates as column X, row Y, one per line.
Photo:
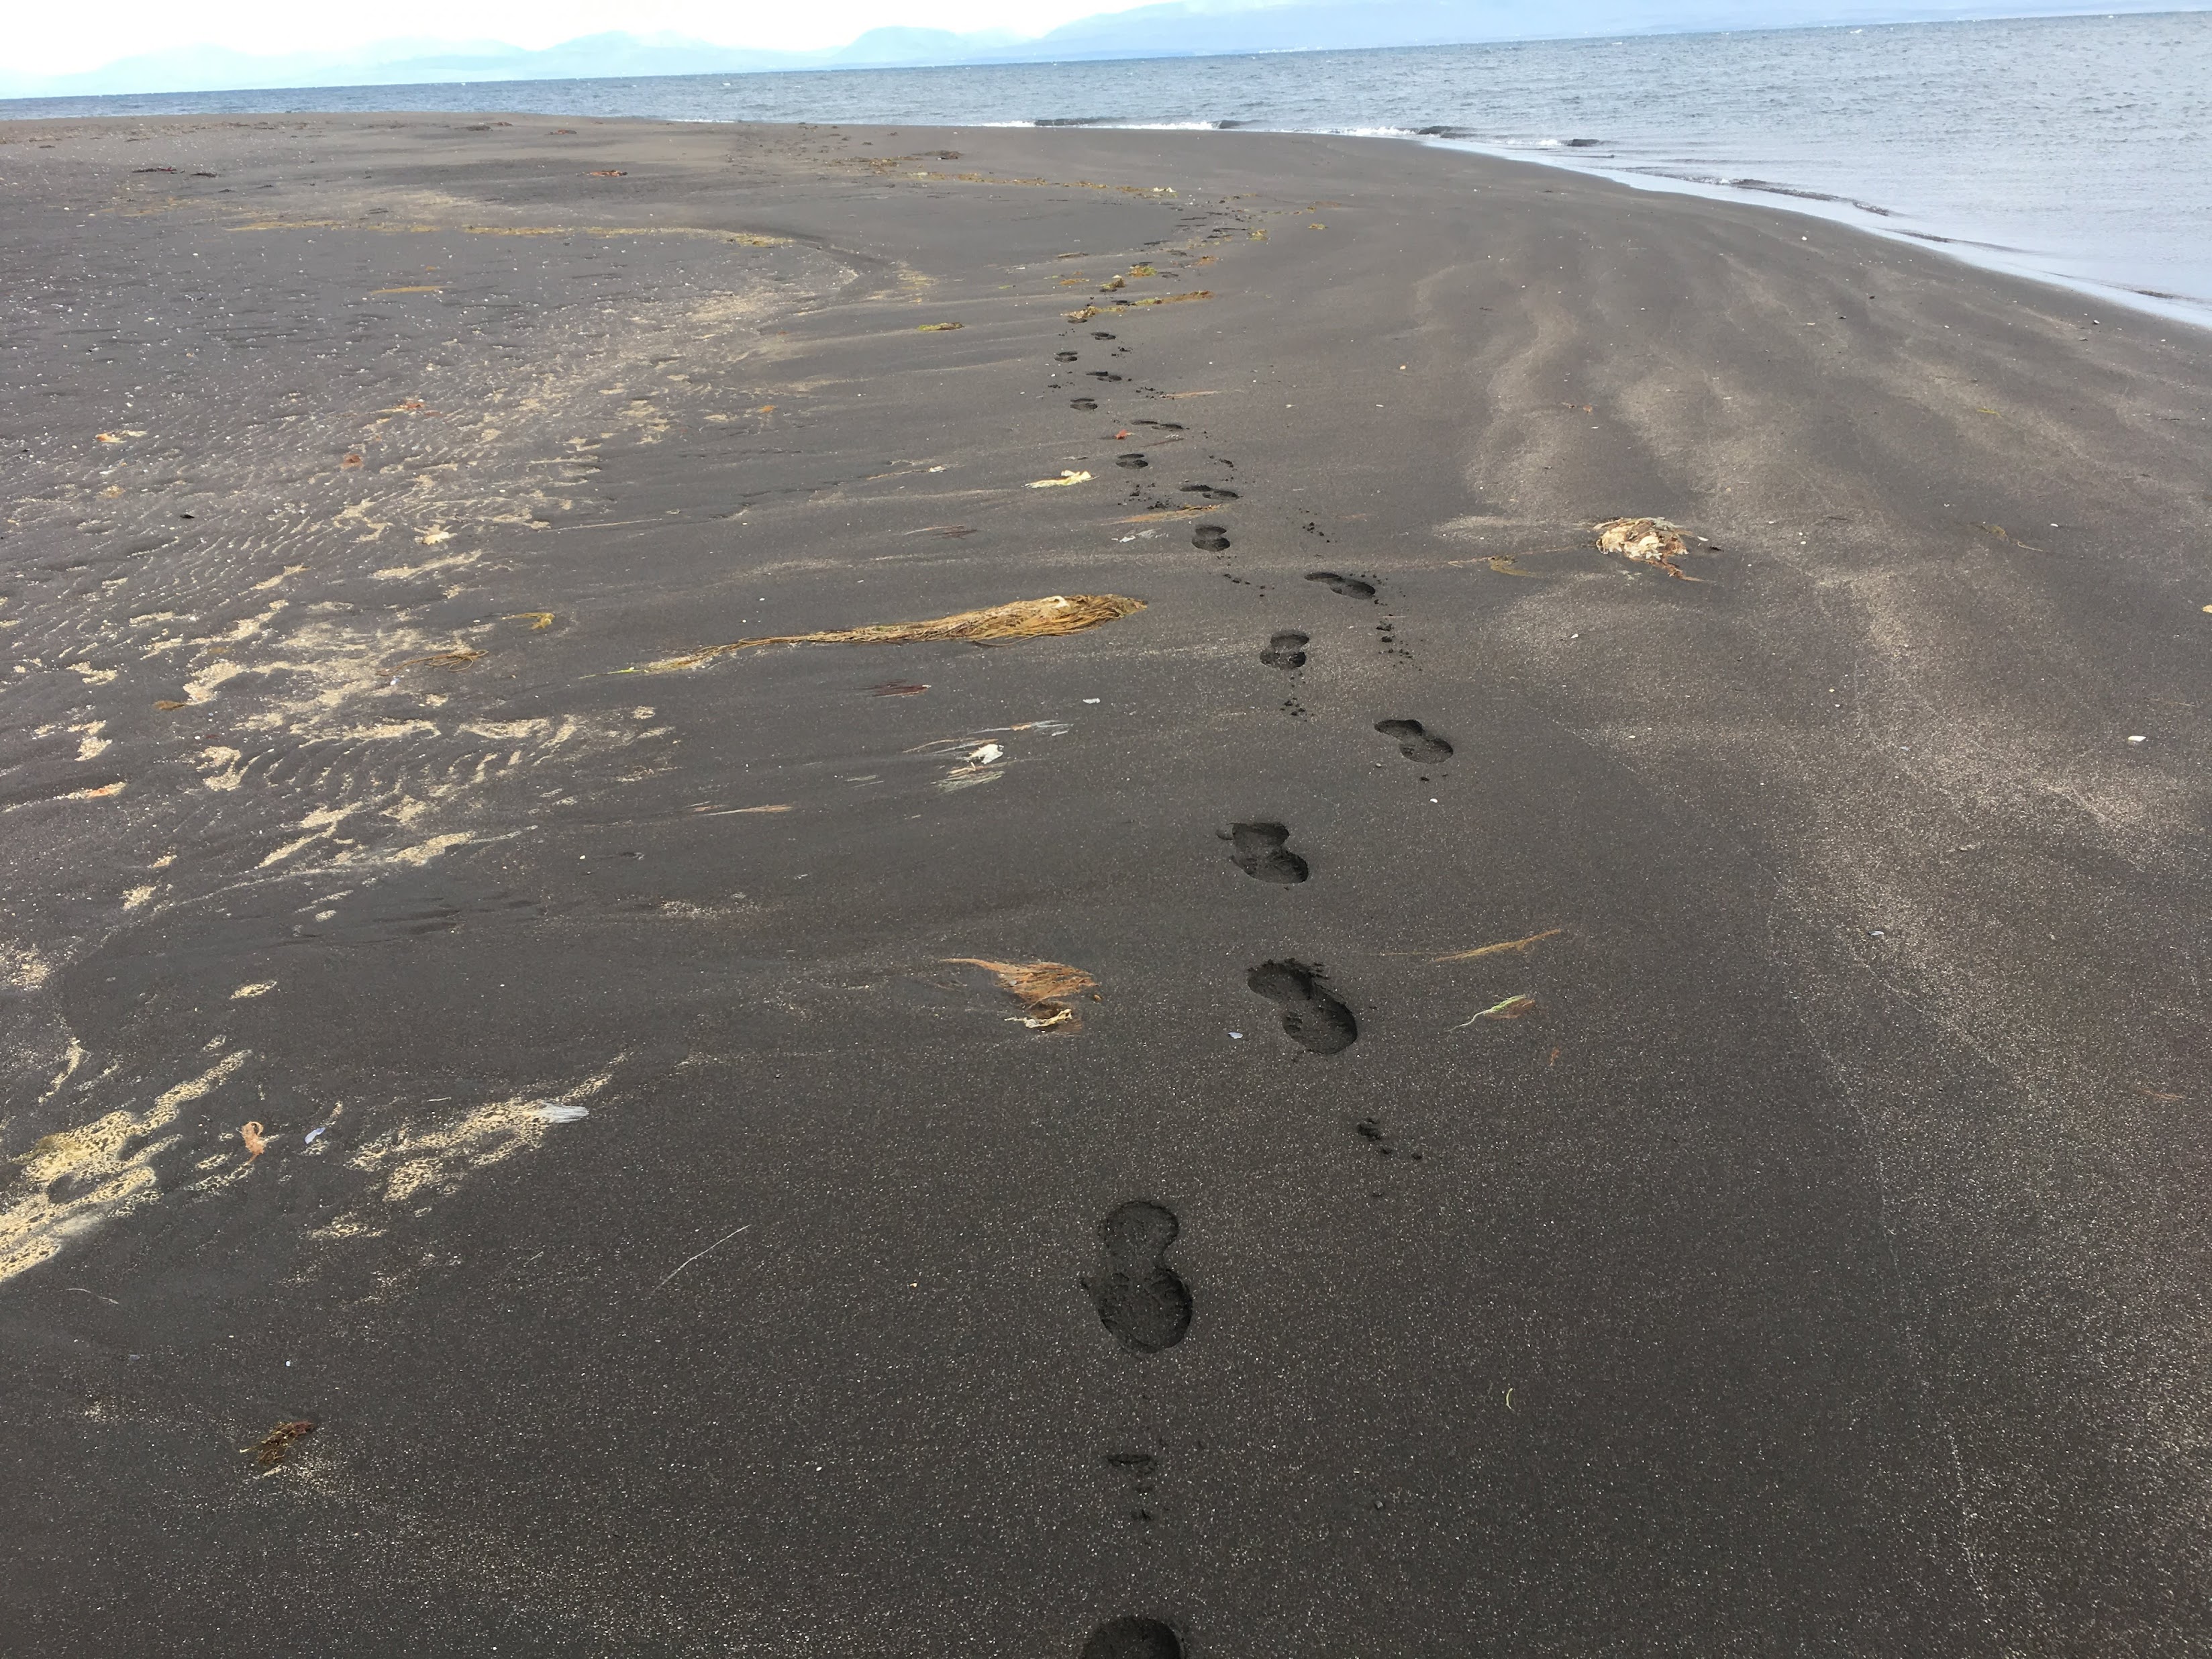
column 1512, row 1008
column 709, row 1250
column 1084, row 314
column 1501, row 947
column 1022, row 619
column 975, row 767
column 274, row 1447
column 1646, row 541
column 1045, row 989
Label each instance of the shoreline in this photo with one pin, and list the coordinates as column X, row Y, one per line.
column 2192, row 312
column 2173, row 307
column 2074, row 186
column 953, row 898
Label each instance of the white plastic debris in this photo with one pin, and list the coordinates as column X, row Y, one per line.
column 2139, row 740
column 557, row 1112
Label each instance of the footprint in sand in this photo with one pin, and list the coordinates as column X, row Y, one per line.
column 1261, row 852
column 1135, row 463
column 1063, row 356
column 1083, row 403
column 1312, row 1018
column 1137, row 1294
column 1210, row 538
column 1133, row 1639
column 1102, row 374
column 1210, row 492
column 1415, row 742
column 1351, row 587
column 1101, row 337
column 1285, row 650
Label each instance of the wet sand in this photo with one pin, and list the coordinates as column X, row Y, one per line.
column 681, row 1240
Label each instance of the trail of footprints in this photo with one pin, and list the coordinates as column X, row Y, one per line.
column 1140, row 1299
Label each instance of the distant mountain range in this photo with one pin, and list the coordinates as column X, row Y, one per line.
column 1175, row 30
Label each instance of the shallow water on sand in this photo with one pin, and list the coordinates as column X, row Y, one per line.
column 2077, row 148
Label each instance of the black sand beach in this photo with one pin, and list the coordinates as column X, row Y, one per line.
column 1710, row 1158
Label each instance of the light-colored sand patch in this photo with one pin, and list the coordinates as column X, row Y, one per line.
column 417, row 1163
column 386, row 732
column 319, row 825
column 74, row 1180
column 393, row 572
column 220, row 767
column 422, row 852
column 23, row 968
column 201, row 687
column 357, row 515
column 247, row 628
column 347, row 1226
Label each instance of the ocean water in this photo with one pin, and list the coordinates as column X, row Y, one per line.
column 2078, row 149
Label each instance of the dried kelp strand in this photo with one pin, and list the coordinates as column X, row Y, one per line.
column 1023, row 619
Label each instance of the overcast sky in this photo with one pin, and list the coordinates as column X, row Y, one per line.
column 47, row 39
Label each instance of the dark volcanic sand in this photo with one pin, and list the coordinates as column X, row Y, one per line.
column 1818, row 1267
